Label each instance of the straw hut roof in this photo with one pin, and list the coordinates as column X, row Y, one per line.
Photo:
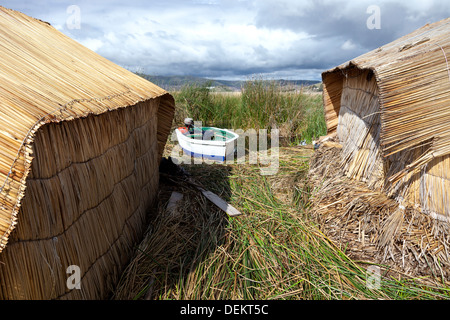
column 46, row 77
column 413, row 81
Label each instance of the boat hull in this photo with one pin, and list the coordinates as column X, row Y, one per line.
column 218, row 149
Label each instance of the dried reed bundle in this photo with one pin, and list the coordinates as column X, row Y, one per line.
column 370, row 226
column 332, row 98
column 359, row 126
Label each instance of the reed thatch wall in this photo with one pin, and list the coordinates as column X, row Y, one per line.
column 80, row 144
column 359, row 128
column 391, row 110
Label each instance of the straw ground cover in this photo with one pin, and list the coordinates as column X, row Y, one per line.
column 274, row 250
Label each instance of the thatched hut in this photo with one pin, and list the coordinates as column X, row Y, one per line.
column 80, row 143
column 382, row 174
column 390, row 109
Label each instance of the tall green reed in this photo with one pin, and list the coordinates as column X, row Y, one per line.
column 261, row 104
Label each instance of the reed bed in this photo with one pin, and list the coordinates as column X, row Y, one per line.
column 275, row 250
column 278, row 249
column 261, row 104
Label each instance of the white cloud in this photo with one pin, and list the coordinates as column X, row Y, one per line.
column 93, row 44
column 348, row 45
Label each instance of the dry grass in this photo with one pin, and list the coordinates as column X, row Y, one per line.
column 273, row 251
column 369, row 226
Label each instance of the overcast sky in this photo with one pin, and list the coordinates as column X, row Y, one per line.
column 234, row 39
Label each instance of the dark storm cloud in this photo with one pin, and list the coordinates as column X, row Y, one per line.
column 335, row 22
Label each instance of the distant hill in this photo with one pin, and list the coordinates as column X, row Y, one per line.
column 176, row 82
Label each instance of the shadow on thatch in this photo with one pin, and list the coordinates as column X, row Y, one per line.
column 179, row 237
column 373, row 228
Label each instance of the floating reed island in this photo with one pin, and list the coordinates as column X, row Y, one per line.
column 388, row 112
column 80, row 143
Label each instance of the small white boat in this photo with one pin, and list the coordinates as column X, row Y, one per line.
column 207, row 142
